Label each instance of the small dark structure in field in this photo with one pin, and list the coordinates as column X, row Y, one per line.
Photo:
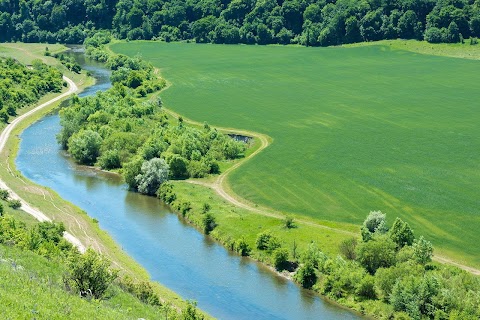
column 239, row 137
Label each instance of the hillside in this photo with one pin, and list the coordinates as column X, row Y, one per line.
column 305, row 22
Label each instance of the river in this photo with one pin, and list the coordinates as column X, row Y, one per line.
column 175, row 254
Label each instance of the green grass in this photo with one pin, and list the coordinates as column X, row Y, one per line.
column 354, row 129
column 32, row 288
column 234, row 223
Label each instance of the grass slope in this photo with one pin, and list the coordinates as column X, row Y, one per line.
column 354, row 130
column 32, row 288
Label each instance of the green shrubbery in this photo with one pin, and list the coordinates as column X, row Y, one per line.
column 114, row 129
column 21, row 86
column 392, row 267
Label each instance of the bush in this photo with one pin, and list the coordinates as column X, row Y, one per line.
column 89, row 274
column 110, row 159
column 280, row 259
column 241, row 246
column 208, row 222
column 377, row 253
column 289, row 223
column 267, row 241
column 84, row 146
column 142, row 290
column 366, row 288
column 306, row 275
column 15, row 204
column 347, row 248
column 166, row 193
column 4, row 194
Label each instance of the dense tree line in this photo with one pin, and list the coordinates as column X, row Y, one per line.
column 124, row 128
column 390, row 272
column 306, row 22
column 21, row 85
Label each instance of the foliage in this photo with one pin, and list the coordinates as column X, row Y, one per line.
column 84, row 146
column 348, row 248
column 401, row 233
column 14, row 204
column 422, row 250
column 379, row 252
column 242, row 247
column 233, row 21
column 89, row 274
column 280, row 259
column 267, row 241
column 152, row 174
column 142, row 290
column 21, row 86
column 306, row 275
column 191, row 312
column 289, row 222
column 375, row 223
column 118, row 128
column 208, row 222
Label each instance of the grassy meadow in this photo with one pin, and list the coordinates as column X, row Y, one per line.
column 354, row 129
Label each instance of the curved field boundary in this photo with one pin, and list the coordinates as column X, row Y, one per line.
column 40, row 216
column 220, row 186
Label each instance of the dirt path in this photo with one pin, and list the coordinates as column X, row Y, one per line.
column 40, row 216
column 220, row 187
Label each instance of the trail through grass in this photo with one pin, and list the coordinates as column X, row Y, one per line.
column 354, row 130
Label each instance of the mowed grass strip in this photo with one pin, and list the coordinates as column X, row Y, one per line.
column 354, row 130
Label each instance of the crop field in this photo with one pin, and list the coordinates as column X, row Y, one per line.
column 354, row 129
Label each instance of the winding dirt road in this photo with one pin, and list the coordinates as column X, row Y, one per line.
column 40, row 216
column 220, row 187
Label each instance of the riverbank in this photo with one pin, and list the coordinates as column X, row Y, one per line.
column 46, row 200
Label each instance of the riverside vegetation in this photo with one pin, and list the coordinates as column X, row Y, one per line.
column 43, row 275
column 373, row 128
column 306, row 22
column 387, row 274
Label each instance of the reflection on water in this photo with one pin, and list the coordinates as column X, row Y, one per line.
column 174, row 253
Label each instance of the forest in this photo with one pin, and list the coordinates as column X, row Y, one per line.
column 22, row 85
column 305, row 22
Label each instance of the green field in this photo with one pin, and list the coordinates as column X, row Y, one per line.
column 354, row 129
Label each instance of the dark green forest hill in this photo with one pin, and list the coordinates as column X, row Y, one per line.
column 306, row 22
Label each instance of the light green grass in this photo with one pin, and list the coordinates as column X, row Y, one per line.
column 354, row 130
column 32, row 288
column 235, row 223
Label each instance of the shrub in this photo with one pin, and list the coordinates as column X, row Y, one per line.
column 241, row 246
column 84, row 146
column 347, row 248
column 306, row 275
column 267, row 241
column 289, row 223
column 377, row 253
column 280, row 259
column 154, row 172
column 15, row 204
column 89, row 274
column 366, row 288
column 4, row 194
column 206, row 207
column 166, row 193
column 110, row 159
column 208, row 222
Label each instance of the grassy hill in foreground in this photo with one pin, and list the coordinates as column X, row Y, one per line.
column 32, row 287
column 354, row 130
